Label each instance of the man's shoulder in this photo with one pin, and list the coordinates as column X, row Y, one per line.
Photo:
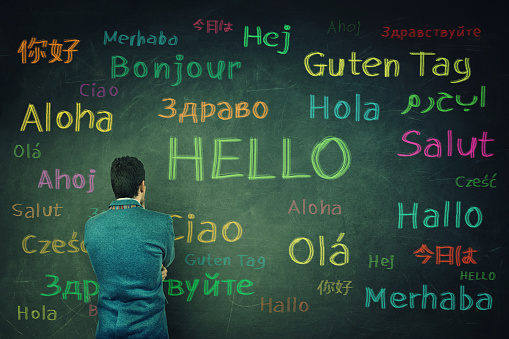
column 155, row 214
column 98, row 218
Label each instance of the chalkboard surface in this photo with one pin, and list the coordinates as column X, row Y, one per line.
column 334, row 170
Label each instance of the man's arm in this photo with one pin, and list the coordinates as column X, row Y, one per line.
column 169, row 253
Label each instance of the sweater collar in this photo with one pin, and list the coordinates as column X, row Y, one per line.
column 122, row 201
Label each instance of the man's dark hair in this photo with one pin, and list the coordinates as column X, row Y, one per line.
column 127, row 173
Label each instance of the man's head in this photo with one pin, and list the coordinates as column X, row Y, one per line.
column 127, row 174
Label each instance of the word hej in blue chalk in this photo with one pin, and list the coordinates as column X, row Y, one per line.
column 139, row 39
column 447, row 303
column 268, row 38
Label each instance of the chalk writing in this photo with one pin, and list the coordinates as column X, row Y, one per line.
column 328, row 287
column 31, row 212
column 35, row 314
column 175, row 288
column 432, row 218
column 366, row 66
column 139, row 39
column 461, row 181
column 430, row 33
column 270, row 35
column 95, row 212
column 442, row 69
column 446, row 254
column 311, row 251
column 92, row 310
column 19, row 151
column 208, row 110
column 89, row 90
column 73, row 285
column 448, row 302
column 388, row 263
column 214, row 26
column 436, row 146
column 193, row 69
column 344, row 27
column 253, row 162
column 56, row 245
column 414, row 101
column 279, row 306
column 78, row 180
column 212, row 230
column 476, row 276
column 370, row 114
column 313, row 209
column 208, row 260
column 36, row 49
column 108, row 119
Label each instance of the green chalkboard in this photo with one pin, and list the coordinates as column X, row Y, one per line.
column 333, row 169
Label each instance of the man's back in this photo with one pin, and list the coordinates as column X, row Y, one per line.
column 127, row 246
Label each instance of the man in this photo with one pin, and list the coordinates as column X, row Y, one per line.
column 129, row 248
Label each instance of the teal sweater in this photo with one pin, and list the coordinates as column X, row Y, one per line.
column 127, row 247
